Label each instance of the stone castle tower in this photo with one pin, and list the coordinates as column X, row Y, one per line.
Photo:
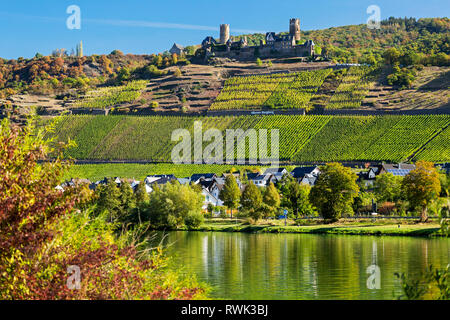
column 224, row 33
column 294, row 28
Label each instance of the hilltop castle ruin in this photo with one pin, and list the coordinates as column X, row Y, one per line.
column 273, row 46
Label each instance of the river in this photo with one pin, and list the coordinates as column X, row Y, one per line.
column 303, row 266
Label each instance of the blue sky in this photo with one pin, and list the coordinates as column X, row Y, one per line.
column 148, row 26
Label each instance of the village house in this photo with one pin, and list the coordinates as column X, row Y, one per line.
column 306, row 175
column 195, row 178
column 277, row 174
column 261, row 180
column 401, row 169
column 177, row 49
column 135, row 183
column 159, row 179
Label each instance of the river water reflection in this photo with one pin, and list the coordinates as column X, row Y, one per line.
column 303, row 266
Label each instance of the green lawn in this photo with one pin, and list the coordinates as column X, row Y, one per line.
column 380, row 227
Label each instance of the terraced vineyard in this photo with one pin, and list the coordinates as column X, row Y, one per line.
column 352, row 90
column 436, row 149
column 405, row 137
column 293, row 90
column 111, row 96
column 344, row 138
column 248, row 92
column 298, row 92
column 302, row 138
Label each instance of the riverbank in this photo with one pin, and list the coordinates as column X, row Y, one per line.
column 348, row 228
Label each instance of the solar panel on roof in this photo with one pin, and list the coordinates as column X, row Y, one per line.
column 399, row 172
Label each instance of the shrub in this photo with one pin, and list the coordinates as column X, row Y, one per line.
column 177, row 72
column 154, row 104
column 387, row 208
column 194, row 219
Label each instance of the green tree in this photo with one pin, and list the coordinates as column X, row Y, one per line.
column 123, row 75
column 305, row 208
column 141, row 193
column 127, row 201
column 271, row 198
column 194, row 219
column 334, row 191
column 445, row 184
column 177, row 72
column 251, row 197
column 170, row 205
column 392, row 55
column 422, row 186
column 252, row 201
column 109, row 199
column 230, row 193
column 158, row 61
column 387, row 187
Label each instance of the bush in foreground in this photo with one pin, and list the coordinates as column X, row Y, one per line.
column 44, row 238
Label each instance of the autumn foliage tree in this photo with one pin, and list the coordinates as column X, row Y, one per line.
column 230, row 193
column 42, row 234
column 422, row 186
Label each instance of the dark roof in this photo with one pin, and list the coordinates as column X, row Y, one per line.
column 170, row 176
column 445, row 167
column 263, row 177
column 309, row 179
column 208, row 41
column 274, row 170
column 162, row 181
column 271, row 35
column 252, row 175
column 198, row 176
column 177, row 46
column 205, row 183
column 300, row 172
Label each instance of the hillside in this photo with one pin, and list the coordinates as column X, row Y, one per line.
column 392, row 106
column 303, row 139
column 180, row 84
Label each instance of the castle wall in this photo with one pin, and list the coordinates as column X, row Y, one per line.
column 265, row 52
